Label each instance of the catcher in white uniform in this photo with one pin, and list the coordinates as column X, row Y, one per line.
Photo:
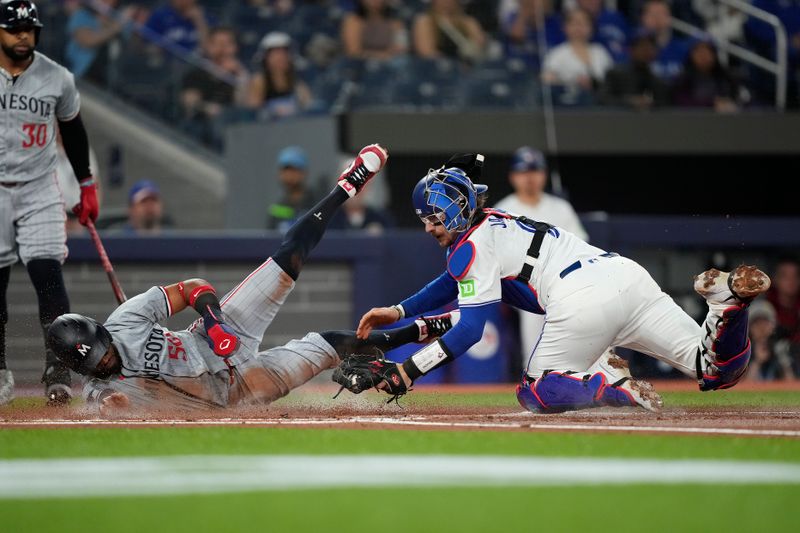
column 591, row 299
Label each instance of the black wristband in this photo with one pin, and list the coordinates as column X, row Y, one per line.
column 411, row 369
column 207, row 306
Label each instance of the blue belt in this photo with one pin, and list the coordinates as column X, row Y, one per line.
column 577, row 264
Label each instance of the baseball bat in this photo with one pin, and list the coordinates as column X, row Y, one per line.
column 101, row 251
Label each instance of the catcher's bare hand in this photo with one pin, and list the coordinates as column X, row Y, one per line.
column 114, row 403
column 377, row 316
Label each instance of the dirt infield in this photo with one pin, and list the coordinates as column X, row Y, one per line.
column 358, row 413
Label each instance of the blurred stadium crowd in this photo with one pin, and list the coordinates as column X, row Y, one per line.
column 203, row 63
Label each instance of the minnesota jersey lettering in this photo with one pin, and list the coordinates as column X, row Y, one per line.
column 23, row 102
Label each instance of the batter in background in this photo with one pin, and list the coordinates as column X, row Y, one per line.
column 38, row 97
column 528, row 177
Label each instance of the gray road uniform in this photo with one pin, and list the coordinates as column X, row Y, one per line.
column 31, row 206
column 177, row 369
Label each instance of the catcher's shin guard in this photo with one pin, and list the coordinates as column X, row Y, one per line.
column 713, row 375
column 556, row 392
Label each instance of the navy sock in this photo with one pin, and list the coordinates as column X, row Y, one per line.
column 52, row 294
column 304, row 234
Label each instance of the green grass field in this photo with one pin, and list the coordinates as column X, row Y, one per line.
column 596, row 506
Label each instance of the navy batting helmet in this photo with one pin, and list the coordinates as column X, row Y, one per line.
column 19, row 14
column 78, row 341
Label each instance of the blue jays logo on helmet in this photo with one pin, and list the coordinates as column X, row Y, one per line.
column 447, row 196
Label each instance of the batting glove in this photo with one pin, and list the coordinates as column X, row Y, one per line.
column 222, row 339
column 88, row 209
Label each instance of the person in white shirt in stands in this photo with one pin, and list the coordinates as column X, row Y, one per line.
column 577, row 63
column 528, row 177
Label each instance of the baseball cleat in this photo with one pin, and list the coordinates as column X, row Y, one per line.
column 57, row 383
column 6, row 386
column 369, row 161
column 432, row 327
column 640, row 392
column 742, row 285
column 643, row 393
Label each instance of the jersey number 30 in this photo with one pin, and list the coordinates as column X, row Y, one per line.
column 36, row 133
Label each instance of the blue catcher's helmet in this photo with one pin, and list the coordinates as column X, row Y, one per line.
column 447, row 196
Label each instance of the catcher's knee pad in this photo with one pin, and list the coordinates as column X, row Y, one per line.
column 724, row 374
column 556, row 392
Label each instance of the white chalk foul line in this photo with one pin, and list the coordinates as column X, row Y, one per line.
column 73, row 478
column 418, row 421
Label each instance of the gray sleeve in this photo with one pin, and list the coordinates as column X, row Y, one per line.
column 69, row 102
column 95, row 389
column 150, row 307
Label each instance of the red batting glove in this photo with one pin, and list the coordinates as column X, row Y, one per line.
column 222, row 339
column 88, row 208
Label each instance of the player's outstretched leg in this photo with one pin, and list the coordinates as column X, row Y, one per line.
column 252, row 305
column 304, row 234
column 607, row 382
column 724, row 350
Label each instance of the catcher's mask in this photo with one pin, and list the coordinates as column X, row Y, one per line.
column 447, row 196
column 78, row 341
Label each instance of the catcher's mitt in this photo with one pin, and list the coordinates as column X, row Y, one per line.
column 359, row 372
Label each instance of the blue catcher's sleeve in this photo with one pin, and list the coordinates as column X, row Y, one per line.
column 458, row 340
column 469, row 329
column 435, row 294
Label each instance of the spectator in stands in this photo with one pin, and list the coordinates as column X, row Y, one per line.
column 657, row 18
column 445, row 30
column 275, row 90
column 297, row 197
column 182, row 23
column 610, row 28
column 705, row 82
column 577, row 63
column 91, row 33
column 633, row 84
column 784, row 295
column 769, row 360
column 146, row 210
column 520, row 22
column 528, row 178
column 206, row 94
column 373, row 32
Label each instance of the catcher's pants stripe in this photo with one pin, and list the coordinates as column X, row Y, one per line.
column 32, row 221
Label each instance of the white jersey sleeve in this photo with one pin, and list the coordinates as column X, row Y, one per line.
column 474, row 265
column 69, row 102
column 150, row 307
